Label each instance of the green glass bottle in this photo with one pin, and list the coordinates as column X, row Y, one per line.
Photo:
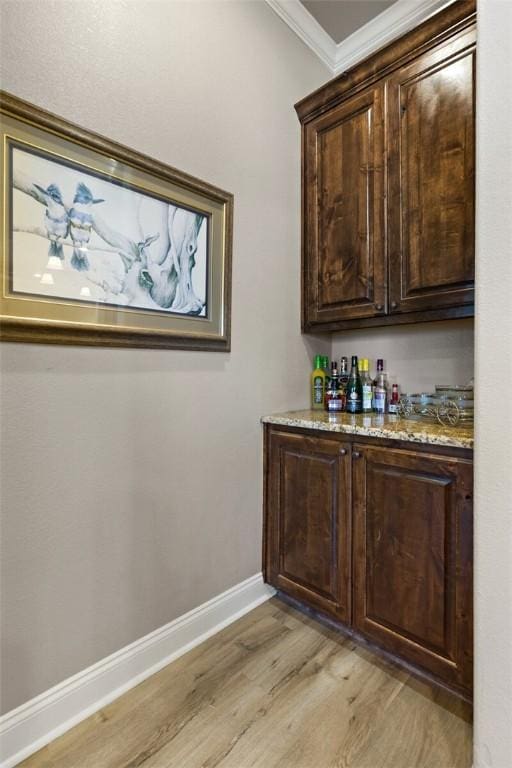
column 354, row 389
column 317, row 385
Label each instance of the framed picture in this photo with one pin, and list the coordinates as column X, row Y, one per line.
column 103, row 245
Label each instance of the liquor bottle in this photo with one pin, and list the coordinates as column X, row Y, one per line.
column 366, row 384
column 380, row 389
column 374, row 383
column 317, row 385
column 344, row 373
column 354, row 389
column 334, row 396
column 325, row 366
column 395, row 399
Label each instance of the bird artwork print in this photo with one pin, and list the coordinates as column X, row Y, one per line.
column 81, row 221
column 108, row 240
column 56, row 219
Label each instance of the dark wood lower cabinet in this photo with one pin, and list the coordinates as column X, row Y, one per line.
column 378, row 538
column 412, row 557
column 309, row 551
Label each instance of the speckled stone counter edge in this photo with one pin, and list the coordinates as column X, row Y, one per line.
column 403, row 429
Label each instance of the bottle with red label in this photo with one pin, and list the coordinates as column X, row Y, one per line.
column 334, row 396
column 395, row 399
column 380, row 389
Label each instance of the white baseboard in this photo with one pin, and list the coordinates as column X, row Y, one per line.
column 34, row 724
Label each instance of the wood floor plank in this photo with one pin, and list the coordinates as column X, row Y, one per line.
column 275, row 689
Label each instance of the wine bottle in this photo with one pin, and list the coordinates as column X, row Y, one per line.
column 366, row 384
column 380, row 389
column 354, row 389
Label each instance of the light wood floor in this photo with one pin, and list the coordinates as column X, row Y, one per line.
column 274, row 690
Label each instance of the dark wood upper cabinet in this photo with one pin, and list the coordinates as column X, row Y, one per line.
column 346, row 273
column 431, row 122
column 413, row 558
column 308, row 523
column 388, row 183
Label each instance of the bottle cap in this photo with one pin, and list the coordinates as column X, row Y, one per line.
column 318, row 361
column 325, row 361
column 354, row 361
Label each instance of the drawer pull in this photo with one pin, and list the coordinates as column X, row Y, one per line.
column 356, row 455
column 343, row 452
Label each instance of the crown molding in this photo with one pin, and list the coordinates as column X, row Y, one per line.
column 395, row 21
column 307, row 28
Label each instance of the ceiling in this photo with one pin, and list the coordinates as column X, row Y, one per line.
column 340, row 18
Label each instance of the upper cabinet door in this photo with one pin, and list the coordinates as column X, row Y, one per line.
column 431, row 121
column 344, row 275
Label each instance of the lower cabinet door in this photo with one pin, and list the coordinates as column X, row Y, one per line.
column 413, row 529
column 308, row 521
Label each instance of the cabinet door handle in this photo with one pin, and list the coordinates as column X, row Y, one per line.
column 379, row 307
column 394, row 305
column 356, row 455
column 343, row 452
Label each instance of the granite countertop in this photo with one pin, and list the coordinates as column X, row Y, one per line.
column 374, row 425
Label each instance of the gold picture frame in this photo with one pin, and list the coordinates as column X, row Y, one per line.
column 102, row 245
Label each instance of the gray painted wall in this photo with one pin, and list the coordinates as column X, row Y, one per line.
column 417, row 357
column 131, row 479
